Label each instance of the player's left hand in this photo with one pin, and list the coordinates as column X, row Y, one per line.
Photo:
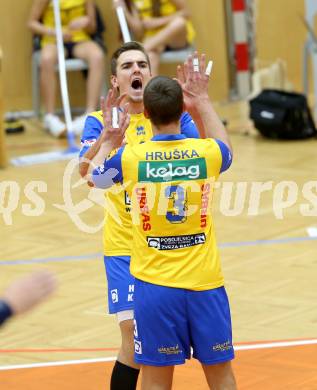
column 114, row 133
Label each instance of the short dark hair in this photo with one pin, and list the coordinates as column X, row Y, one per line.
column 133, row 45
column 163, row 100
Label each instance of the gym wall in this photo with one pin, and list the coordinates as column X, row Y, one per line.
column 280, row 34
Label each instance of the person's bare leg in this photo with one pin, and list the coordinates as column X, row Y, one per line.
column 125, row 371
column 174, row 34
column 126, row 352
column 157, row 378
column 220, row 376
column 93, row 54
column 154, row 57
column 48, row 77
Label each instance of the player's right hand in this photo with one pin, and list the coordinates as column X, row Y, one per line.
column 115, row 135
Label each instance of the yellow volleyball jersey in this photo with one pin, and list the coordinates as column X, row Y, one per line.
column 167, row 8
column 170, row 184
column 117, row 234
column 69, row 10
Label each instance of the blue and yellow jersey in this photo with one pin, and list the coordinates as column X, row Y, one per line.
column 167, row 8
column 69, row 10
column 117, row 235
column 170, row 181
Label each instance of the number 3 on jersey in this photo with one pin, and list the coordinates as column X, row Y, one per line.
column 178, row 197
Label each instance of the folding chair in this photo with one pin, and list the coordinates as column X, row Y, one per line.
column 177, row 55
column 71, row 64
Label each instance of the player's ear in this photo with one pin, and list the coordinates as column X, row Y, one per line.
column 146, row 114
column 114, row 82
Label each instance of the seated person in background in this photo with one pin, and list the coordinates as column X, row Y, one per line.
column 78, row 18
column 159, row 24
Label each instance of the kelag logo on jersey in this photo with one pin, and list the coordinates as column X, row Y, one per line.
column 161, row 171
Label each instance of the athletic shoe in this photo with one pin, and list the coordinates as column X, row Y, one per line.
column 54, row 125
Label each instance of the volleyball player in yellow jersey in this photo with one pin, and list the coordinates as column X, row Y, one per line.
column 78, row 18
column 179, row 300
column 159, row 24
column 130, row 73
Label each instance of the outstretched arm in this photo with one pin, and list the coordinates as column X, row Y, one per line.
column 34, row 23
column 23, row 294
column 114, row 130
column 194, row 81
column 133, row 19
column 97, row 153
column 85, row 161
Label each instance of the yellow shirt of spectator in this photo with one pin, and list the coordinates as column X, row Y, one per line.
column 167, row 8
column 69, row 10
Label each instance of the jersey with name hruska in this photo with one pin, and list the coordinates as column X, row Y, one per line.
column 170, row 181
column 117, row 235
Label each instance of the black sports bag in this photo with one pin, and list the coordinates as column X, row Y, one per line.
column 282, row 115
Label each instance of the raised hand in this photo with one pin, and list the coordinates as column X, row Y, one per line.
column 112, row 133
column 194, row 79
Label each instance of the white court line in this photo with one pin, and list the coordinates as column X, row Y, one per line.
column 278, row 344
column 61, row 363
